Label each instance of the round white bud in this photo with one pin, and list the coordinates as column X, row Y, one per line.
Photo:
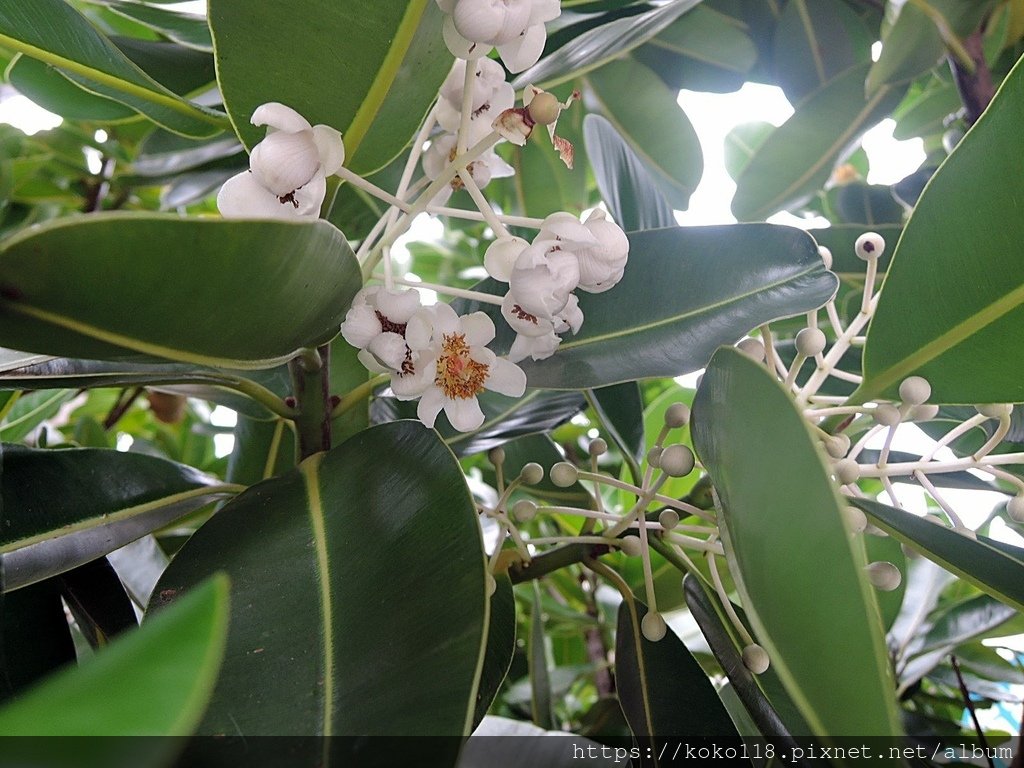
column 925, row 412
column 884, row 576
column 869, row 246
column 752, row 348
column 915, row 390
column 653, row 627
column 837, row 446
column 677, row 460
column 630, row 545
column 995, row 410
column 598, row 447
column 544, row 108
column 654, row 456
column 855, row 519
column 826, row 256
column 564, row 474
column 531, row 473
column 847, row 471
column 669, row 519
column 524, row 510
column 1015, row 508
column 755, row 658
column 496, row 456
column 676, row 415
column 810, row 342
column 886, row 415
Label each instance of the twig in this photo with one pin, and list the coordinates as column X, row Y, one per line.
column 975, row 88
column 970, row 708
column 121, row 408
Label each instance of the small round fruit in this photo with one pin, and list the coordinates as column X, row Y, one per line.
column 544, row 108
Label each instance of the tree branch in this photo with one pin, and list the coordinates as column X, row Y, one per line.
column 975, row 88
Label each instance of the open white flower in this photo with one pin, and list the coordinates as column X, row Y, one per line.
column 463, row 367
column 287, row 170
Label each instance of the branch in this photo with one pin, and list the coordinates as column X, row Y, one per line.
column 975, row 88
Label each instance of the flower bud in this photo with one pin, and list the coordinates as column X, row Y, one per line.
column 496, row 456
column 884, row 576
column 531, row 473
column 995, row 410
column 677, row 415
column 654, row 456
column 752, row 348
column 653, row 626
column 631, row 546
column 869, row 246
column 564, row 474
column 855, row 519
column 524, row 510
column 847, row 471
column 755, row 658
column 500, row 257
column 915, row 390
column 1015, row 508
column 810, row 342
column 677, row 460
column 837, row 446
column 668, row 519
column 886, row 415
column 598, row 447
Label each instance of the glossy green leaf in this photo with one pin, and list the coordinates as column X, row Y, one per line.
column 96, row 598
column 965, row 342
column 916, row 41
column 645, row 114
column 661, row 687
column 627, row 187
column 796, row 159
column 705, row 50
column 621, row 409
column 927, row 111
column 538, row 654
column 596, row 47
column 320, row 545
column 709, row 291
column 183, row 70
column 382, row 61
column 53, row 32
column 176, row 654
column 775, row 717
column 188, row 29
column 262, row 449
column 29, row 411
column 814, row 42
column 51, row 90
column 997, row 570
column 742, row 143
column 965, row 621
column 776, row 497
column 501, row 646
column 163, row 153
column 298, row 278
column 64, row 508
column 870, row 205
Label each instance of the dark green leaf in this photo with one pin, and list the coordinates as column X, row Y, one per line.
column 965, row 342
column 995, row 570
column 776, row 497
column 320, row 545
column 383, row 70
column 621, row 408
column 531, row 747
column 187, row 29
column 298, row 278
column 34, row 636
column 537, row 653
column 98, row 601
column 626, row 185
column 501, row 646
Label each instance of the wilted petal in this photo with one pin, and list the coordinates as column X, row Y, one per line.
column 278, row 117
column 464, row 415
column 506, row 378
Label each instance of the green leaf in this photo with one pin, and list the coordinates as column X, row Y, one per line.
column 176, row 655
column 685, row 291
column 927, row 111
column 320, row 546
column 840, row 239
column 992, row 567
column 742, row 143
column 820, row 627
column 596, row 47
column 298, row 280
column 35, row 639
column 705, row 50
column 661, row 688
column 51, row 90
column 816, row 41
column 621, row 408
column 262, row 450
column 796, row 159
column 64, row 508
column 537, row 654
column 627, row 187
column 98, row 601
column 381, row 60
column 164, row 153
column 645, row 114
column 31, row 410
column 53, row 32
column 965, row 342
column 187, row 29
column 501, row 646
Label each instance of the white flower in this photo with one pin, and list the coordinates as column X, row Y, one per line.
column 463, row 367
column 441, row 152
column 287, row 170
column 543, row 277
column 602, row 248
column 537, row 337
column 473, row 27
column 376, row 310
column 500, row 256
column 491, row 96
column 536, row 347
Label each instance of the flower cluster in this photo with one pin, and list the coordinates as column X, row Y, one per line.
column 565, row 255
column 430, row 353
column 516, row 27
column 288, row 170
column 489, row 97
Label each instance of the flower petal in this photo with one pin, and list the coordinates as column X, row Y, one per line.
column 361, row 326
column 465, row 415
column 537, row 347
column 478, row 327
column 506, row 378
column 370, row 362
column 329, row 147
column 408, row 386
column 283, row 161
column 419, row 331
column 524, row 51
column 500, row 256
column 242, row 197
column 389, row 349
column 279, row 117
column 446, row 320
column 430, row 405
column 398, row 306
column 310, row 197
